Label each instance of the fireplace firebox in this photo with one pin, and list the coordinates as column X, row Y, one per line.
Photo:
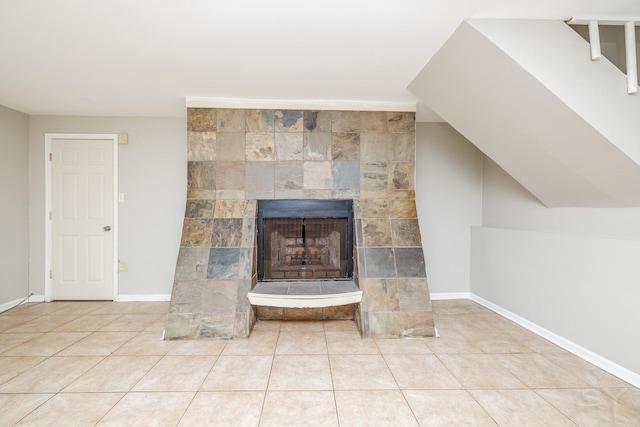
column 305, row 240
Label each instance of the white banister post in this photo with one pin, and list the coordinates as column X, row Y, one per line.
column 630, row 50
column 594, row 40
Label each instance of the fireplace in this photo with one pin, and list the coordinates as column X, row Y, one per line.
column 305, row 240
column 324, row 172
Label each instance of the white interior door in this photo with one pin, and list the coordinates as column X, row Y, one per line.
column 82, row 234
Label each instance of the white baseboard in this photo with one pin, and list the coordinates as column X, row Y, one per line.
column 36, row 298
column 450, row 295
column 9, row 305
column 146, row 297
column 591, row 357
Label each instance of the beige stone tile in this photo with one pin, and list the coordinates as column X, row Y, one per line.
column 482, row 371
column 72, row 409
column 298, row 409
column 50, row 376
column 401, row 122
column 317, row 176
column 373, row 408
column 47, row 344
column 231, row 120
column 289, row 146
column 258, row 343
column 260, row 121
column 376, row 232
column 11, row 366
column 157, row 326
column 345, row 121
column 447, row 408
column 446, row 324
column 317, row 146
column 342, row 342
column 87, row 323
column 201, row 146
column 537, row 371
column 230, row 208
column 403, row 346
column 197, row 348
column 261, row 147
column 452, row 343
column 10, row 321
column 17, row 406
column 44, row 323
column 131, row 323
column 499, row 344
column 301, row 343
column 230, row 147
column 8, row 341
column 341, row 326
column 148, row 344
column 420, row 371
column 157, row 409
column 223, row 409
column 628, row 396
column 380, row 294
column 98, row 344
column 584, row 370
column 202, row 119
column 458, row 306
column 239, row 373
column 267, row 326
column 39, row 308
column 373, row 121
column 177, row 373
column 82, row 307
column 155, row 307
column 360, row 372
column 301, row 326
column 374, row 147
column 591, row 407
column 519, row 407
column 307, row 372
column 535, row 342
column 114, row 374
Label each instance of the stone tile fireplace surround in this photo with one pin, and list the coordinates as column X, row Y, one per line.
column 236, row 157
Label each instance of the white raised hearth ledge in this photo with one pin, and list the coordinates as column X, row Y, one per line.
column 305, row 294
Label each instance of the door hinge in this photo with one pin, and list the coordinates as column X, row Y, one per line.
column 50, row 214
column 50, row 274
column 50, row 156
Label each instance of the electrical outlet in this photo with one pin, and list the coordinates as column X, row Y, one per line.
column 122, row 267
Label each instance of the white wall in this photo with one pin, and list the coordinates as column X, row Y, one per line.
column 584, row 289
column 152, row 174
column 506, row 204
column 14, row 205
column 449, row 202
column 574, row 272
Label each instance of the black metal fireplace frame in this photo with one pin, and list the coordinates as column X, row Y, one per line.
column 305, row 208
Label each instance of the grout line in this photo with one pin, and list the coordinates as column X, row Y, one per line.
column 273, row 358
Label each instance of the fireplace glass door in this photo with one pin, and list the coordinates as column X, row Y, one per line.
column 305, row 240
column 305, row 248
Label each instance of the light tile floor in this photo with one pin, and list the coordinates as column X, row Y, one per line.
column 103, row 363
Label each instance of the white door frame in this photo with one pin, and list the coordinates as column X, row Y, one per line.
column 48, row 141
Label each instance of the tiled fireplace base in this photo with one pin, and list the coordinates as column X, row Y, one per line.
column 236, row 157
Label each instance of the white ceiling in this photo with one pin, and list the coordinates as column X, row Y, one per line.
column 144, row 57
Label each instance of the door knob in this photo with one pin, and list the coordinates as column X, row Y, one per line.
column 107, row 228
